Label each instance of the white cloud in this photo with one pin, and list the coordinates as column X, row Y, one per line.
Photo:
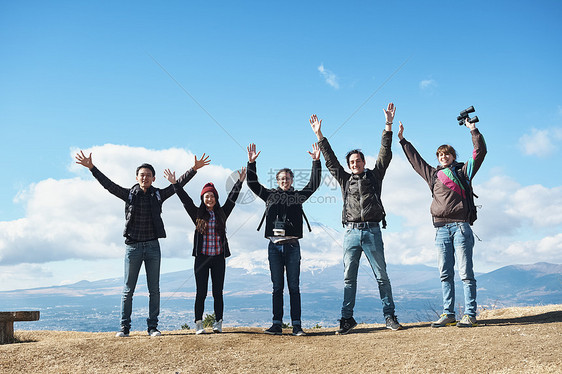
column 329, row 76
column 75, row 221
column 541, row 143
column 78, row 219
column 428, row 84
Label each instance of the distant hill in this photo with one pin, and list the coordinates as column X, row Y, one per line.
column 94, row 306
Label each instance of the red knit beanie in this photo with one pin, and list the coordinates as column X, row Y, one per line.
column 209, row 187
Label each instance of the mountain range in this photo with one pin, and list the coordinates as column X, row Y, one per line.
column 94, row 306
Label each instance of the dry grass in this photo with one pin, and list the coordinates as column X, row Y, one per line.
column 510, row 340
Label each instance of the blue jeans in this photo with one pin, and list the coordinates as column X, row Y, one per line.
column 369, row 241
column 456, row 237
column 149, row 252
column 285, row 257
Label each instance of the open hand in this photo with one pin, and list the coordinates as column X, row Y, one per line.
column 242, row 174
column 252, row 155
column 401, row 131
column 316, row 126
column 389, row 113
column 315, row 152
column 203, row 161
column 84, row 161
column 170, row 176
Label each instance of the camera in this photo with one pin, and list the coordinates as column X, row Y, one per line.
column 465, row 115
column 278, row 227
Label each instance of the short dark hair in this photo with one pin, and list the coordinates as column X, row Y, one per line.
column 286, row 170
column 446, row 148
column 354, row 152
column 147, row 166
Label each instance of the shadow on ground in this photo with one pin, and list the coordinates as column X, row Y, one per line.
column 549, row 317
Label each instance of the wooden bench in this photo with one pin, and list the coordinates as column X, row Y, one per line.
column 7, row 320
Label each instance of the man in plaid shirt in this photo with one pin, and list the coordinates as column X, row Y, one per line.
column 143, row 228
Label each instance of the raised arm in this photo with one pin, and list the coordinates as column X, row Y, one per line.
column 316, row 126
column 479, row 152
column 389, row 115
column 315, row 174
column 234, row 193
column 385, row 153
column 113, row 188
column 421, row 167
column 332, row 162
column 185, row 177
column 253, row 183
column 187, row 202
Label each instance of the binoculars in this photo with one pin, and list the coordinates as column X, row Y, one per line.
column 464, row 115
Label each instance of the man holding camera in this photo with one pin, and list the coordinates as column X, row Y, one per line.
column 283, row 228
column 362, row 214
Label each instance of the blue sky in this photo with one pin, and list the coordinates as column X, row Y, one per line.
column 158, row 82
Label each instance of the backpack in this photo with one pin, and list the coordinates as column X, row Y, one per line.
column 470, row 195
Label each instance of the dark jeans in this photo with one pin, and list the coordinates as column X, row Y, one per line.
column 217, row 266
column 285, row 257
column 136, row 254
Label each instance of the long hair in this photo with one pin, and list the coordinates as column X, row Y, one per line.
column 202, row 220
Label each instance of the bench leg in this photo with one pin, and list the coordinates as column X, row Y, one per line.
column 6, row 332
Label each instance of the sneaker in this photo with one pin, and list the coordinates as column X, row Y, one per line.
column 392, row 323
column 274, row 330
column 444, row 320
column 199, row 329
column 346, row 324
column 123, row 333
column 217, row 326
column 297, row 331
column 467, row 321
column 153, row 331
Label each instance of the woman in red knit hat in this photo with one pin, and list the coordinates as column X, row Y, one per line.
column 210, row 245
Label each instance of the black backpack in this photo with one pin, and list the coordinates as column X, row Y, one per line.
column 470, row 195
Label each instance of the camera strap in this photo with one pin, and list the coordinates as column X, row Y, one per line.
column 306, row 219
column 262, row 219
column 265, row 214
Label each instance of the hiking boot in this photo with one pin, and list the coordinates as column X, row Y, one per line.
column 274, row 330
column 445, row 320
column 153, row 331
column 467, row 321
column 297, row 331
column 392, row 323
column 346, row 324
column 123, row 333
column 199, row 329
column 217, row 326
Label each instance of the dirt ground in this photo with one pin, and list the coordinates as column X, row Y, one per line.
column 511, row 340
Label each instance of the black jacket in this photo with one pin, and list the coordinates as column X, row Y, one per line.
column 192, row 209
column 157, row 197
column 284, row 204
column 361, row 193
